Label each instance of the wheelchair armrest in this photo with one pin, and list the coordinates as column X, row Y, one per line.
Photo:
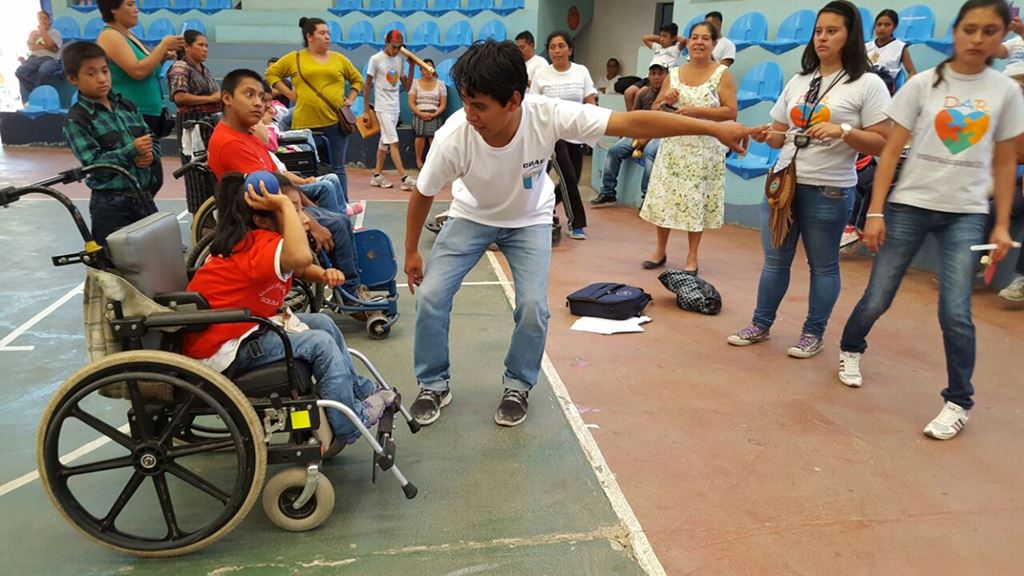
column 281, row 140
column 198, row 318
column 182, row 301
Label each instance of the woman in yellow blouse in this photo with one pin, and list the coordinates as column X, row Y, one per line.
column 324, row 71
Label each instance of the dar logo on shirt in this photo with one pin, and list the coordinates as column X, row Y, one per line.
column 392, row 77
column 799, row 112
column 962, row 123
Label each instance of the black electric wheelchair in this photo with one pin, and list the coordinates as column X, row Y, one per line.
column 203, row 439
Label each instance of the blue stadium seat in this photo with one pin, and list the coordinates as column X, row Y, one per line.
column 214, row 6
column 795, row 30
column 193, row 24
column 942, row 45
column 508, row 6
column 444, row 6
column 343, row 7
column 689, row 25
column 396, row 25
column 900, row 80
column 474, row 7
column 762, row 83
column 378, row 7
column 867, row 22
column 84, row 9
column 92, row 29
column 410, row 7
column 748, row 29
column 157, row 30
column 183, row 6
column 360, row 33
column 43, row 100
column 150, row 6
column 74, row 98
column 139, row 31
column 68, row 28
column 917, row 24
column 758, row 160
column 459, row 35
column 427, row 33
column 444, row 69
column 357, row 105
column 493, row 29
column 335, row 30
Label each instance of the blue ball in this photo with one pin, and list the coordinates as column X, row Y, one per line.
column 269, row 181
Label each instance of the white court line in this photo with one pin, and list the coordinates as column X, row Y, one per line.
column 642, row 550
column 65, row 459
column 4, row 343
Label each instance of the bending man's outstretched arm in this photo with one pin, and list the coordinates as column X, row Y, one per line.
column 650, row 124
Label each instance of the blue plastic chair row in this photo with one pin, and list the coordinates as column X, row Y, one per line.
column 762, row 83
column 42, row 101
column 407, row 7
column 178, row 6
column 428, row 33
column 751, row 29
column 758, row 160
column 153, row 35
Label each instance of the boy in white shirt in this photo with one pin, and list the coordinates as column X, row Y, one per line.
column 495, row 152
column 667, row 45
column 384, row 76
column 526, row 44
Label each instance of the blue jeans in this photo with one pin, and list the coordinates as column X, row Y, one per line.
column 343, row 257
column 458, row 248
column 905, row 230
column 339, row 147
column 36, row 71
column 620, row 151
column 819, row 215
column 327, row 193
column 323, row 347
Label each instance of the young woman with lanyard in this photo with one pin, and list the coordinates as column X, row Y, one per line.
column 830, row 111
column 964, row 118
column 885, row 51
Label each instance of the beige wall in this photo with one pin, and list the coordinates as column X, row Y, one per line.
column 614, row 32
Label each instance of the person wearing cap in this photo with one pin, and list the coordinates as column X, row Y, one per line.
column 626, row 147
column 384, row 76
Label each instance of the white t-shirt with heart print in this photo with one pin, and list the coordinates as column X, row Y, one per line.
column 955, row 127
column 860, row 104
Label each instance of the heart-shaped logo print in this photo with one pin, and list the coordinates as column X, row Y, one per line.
column 392, row 77
column 798, row 113
column 959, row 131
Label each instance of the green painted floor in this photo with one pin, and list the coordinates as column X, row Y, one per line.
column 491, row 500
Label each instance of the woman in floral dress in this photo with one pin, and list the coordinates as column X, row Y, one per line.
column 687, row 189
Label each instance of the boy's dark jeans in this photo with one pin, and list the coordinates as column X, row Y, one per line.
column 112, row 210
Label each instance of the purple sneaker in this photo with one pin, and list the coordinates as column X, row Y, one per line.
column 752, row 334
column 806, row 347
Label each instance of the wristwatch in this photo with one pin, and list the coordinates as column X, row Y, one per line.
column 846, row 128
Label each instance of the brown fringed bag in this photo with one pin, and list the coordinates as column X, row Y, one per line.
column 779, row 189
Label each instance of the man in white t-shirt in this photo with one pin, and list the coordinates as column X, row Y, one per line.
column 384, row 76
column 526, row 44
column 666, row 45
column 606, row 83
column 725, row 50
column 43, row 63
column 494, row 152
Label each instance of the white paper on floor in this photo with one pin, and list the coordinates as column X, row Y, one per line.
column 608, row 327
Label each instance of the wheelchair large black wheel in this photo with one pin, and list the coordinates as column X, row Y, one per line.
column 204, row 220
column 198, row 252
column 284, row 488
column 200, row 490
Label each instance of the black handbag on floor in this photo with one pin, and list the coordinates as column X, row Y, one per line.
column 692, row 293
column 608, row 300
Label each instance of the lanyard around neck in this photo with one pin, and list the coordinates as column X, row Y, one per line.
column 809, row 106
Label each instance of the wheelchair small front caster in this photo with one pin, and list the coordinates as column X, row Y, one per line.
column 378, row 328
column 281, row 492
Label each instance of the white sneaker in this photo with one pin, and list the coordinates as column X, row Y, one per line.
column 850, row 236
column 408, row 183
column 1015, row 291
column 379, row 181
column 849, row 369
column 950, row 421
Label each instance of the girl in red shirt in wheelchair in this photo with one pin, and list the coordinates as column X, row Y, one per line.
column 259, row 245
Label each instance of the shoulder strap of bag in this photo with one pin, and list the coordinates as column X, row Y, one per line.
column 298, row 68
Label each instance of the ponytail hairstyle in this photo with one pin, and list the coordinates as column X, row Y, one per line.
column 235, row 218
column 1002, row 10
column 854, row 56
column 190, row 38
column 308, row 26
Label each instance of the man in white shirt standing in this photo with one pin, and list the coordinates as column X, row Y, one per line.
column 494, row 152
column 384, row 76
column 725, row 50
column 526, row 44
column 43, row 63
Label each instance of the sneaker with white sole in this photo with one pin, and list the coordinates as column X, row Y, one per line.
column 950, row 421
column 512, row 409
column 750, row 335
column 1015, row 291
column 849, row 369
column 806, row 347
column 426, row 409
column 379, row 181
column 850, row 236
column 408, row 183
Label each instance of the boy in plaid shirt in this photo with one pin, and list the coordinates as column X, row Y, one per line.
column 103, row 128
